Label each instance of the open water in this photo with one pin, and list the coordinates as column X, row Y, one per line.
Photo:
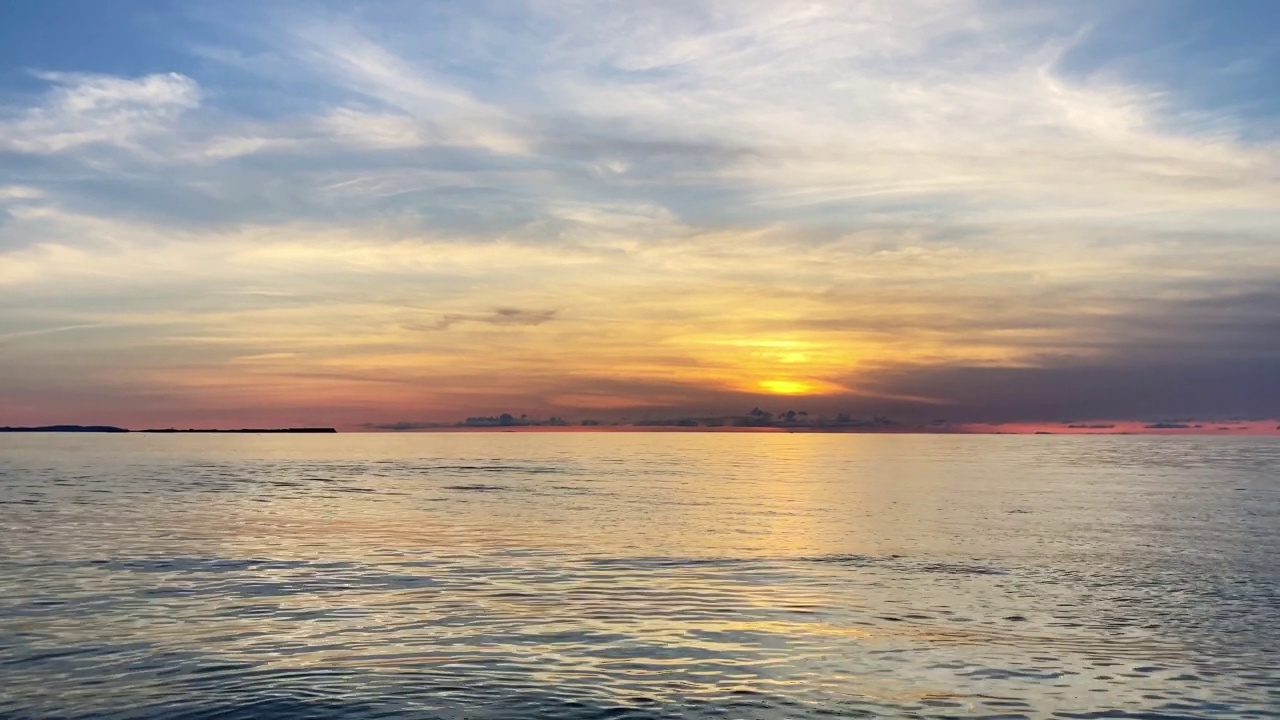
column 619, row 575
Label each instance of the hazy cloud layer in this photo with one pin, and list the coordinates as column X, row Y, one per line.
column 990, row 210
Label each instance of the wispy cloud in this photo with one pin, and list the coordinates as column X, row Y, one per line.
column 19, row 335
column 84, row 109
column 430, row 109
column 501, row 316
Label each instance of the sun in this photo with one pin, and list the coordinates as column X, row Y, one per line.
column 786, row 387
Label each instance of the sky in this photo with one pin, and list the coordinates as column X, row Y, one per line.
column 281, row 213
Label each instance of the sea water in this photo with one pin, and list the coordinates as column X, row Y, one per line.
column 637, row 575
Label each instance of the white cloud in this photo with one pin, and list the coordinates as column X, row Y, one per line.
column 13, row 193
column 85, row 109
column 219, row 148
column 448, row 114
column 373, row 129
column 860, row 104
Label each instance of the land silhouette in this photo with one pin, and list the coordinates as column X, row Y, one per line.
column 755, row 418
column 114, row 429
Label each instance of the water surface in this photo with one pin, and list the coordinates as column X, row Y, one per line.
column 509, row 575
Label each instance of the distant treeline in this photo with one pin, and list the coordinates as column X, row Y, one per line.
column 755, row 418
column 509, row 420
column 763, row 418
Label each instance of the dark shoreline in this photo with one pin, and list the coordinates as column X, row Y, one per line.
column 113, row 429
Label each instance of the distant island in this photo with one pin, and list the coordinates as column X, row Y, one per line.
column 300, row 430
column 67, row 428
column 113, row 429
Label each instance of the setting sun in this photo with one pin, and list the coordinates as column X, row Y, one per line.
column 786, row 387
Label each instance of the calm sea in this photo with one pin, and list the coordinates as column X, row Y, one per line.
column 509, row 575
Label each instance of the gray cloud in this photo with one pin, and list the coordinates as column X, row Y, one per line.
column 1231, row 388
column 500, row 316
column 1213, row 352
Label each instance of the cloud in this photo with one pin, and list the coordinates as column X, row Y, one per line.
column 849, row 107
column 763, row 113
column 500, row 316
column 1111, row 390
column 19, row 193
column 7, row 337
column 1209, row 352
column 374, row 130
column 89, row 109
column 435, row 107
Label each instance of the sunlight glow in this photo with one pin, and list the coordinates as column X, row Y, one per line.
column 787, row 387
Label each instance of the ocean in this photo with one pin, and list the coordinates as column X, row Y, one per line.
column 638, row 575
